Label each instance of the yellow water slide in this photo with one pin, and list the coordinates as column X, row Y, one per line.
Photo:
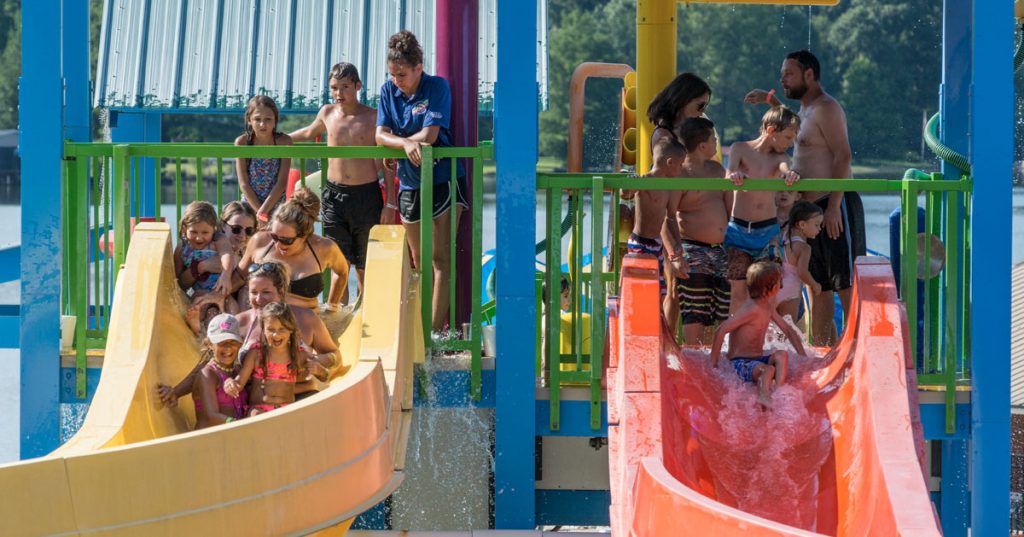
column 136, row 467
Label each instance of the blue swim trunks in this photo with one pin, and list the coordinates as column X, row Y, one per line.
column 750, row 242
column 745, row 366
column 642, row 245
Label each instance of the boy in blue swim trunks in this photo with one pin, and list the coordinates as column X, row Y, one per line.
column 748, row 326
column 753, row 231
column 650, row 227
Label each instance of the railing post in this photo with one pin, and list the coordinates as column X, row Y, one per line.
column 597, row 301
column 78, row 254
column 554, row 308
column 477, row 210
column 426, row 267
column 122, row 169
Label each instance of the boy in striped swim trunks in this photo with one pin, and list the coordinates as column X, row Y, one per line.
column 702, row 298
column 653, row 205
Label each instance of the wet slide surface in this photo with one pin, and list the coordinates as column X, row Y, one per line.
column 136, row 467
column 839, row 453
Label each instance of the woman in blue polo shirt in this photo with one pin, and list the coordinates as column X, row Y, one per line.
column 415, row 110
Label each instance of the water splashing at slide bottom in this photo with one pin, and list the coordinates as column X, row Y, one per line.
column 764, row 462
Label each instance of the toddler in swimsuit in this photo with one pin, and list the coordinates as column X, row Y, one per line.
column 748, row 327
column 804, row 224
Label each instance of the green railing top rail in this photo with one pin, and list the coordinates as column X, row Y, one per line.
column 184, row 150
column 584, row 181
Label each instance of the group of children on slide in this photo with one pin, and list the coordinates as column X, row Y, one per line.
column 740, row 259
column 241, row 376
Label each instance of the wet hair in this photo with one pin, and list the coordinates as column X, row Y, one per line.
column 284, row 315
column 806, row 61
column 276, row 272
column 404, row 48
column 301, row 211
column 250, row 107
column 665, row 106
column 762, row 277
column 195, row 213
column 667, row 147
column 694, row 131
column 344, row 70
column 779, row 118
column 802, row 211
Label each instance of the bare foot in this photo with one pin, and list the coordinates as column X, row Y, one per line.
column 765, row 400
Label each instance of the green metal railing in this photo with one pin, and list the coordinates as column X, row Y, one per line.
column 944, row 363
column 103, row 198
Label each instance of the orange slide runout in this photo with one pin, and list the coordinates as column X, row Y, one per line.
column 666, row 432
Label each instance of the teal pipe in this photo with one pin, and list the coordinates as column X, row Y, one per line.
column 941, row 150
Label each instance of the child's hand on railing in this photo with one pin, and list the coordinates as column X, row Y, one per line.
column 791, row 177
column 737, row 177
column 413, row 151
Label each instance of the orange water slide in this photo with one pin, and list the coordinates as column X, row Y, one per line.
column 667, row 438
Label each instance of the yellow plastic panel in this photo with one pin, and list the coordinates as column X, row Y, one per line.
column 134, row 469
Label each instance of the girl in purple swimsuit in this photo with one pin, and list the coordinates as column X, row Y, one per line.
column 262, row 180
column 214, row 406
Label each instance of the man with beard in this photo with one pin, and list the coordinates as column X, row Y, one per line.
column 823, row 152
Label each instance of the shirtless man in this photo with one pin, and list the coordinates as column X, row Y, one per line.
column 822, row 151
column 351, row 197
column 652, row 207
column 703, row 297
column 753, row 231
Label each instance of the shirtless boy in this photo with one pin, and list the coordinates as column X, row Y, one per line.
column 748, row 327
column 753, row 231
column 352, row 202
column 702, row 215
column 652, row 206
column 822, row 151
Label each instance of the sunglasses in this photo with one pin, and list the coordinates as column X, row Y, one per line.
column 258, row 267
column 237, row 229
column 287, row 241
column 702, row 106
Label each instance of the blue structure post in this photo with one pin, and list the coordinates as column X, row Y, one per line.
column 954, row 107
column 515, row 127
column 991, row 154
column 40, row 131
column 139, row 127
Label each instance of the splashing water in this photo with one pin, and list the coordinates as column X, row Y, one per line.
column 763, row 462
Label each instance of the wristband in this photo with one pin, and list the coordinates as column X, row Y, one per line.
column 768, row 98
column 263, row 217
column 391, row 206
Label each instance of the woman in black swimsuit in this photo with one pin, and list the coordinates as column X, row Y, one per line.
column 686, row 96
column 290, row 240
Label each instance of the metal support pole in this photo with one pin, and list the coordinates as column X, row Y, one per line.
column 515, row 124
column 655, row 64
column 144, row 127
column 39, row 139
column 991, row 159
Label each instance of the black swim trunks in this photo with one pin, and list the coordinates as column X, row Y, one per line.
column 409, row 200
column 348, row 212
column 831, row 263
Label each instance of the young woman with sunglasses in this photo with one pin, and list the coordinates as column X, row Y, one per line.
column 685, row 97
column 290, row 239
column 238, row 224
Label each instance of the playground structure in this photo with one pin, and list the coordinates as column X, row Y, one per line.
column 964, row 320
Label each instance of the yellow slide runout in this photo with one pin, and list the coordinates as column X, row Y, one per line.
column 136, row 468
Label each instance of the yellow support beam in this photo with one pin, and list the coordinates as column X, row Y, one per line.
column 655, row 64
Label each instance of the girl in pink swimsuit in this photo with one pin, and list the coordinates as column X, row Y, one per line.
column 804, row 223
column 214, row 406
column 274, row 363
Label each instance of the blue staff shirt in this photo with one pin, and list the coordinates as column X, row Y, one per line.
column 431, row 105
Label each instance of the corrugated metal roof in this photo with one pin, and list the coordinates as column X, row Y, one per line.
column 206, row 54
column 1017, row 337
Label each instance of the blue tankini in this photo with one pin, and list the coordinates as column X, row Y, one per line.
column 189, row 255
